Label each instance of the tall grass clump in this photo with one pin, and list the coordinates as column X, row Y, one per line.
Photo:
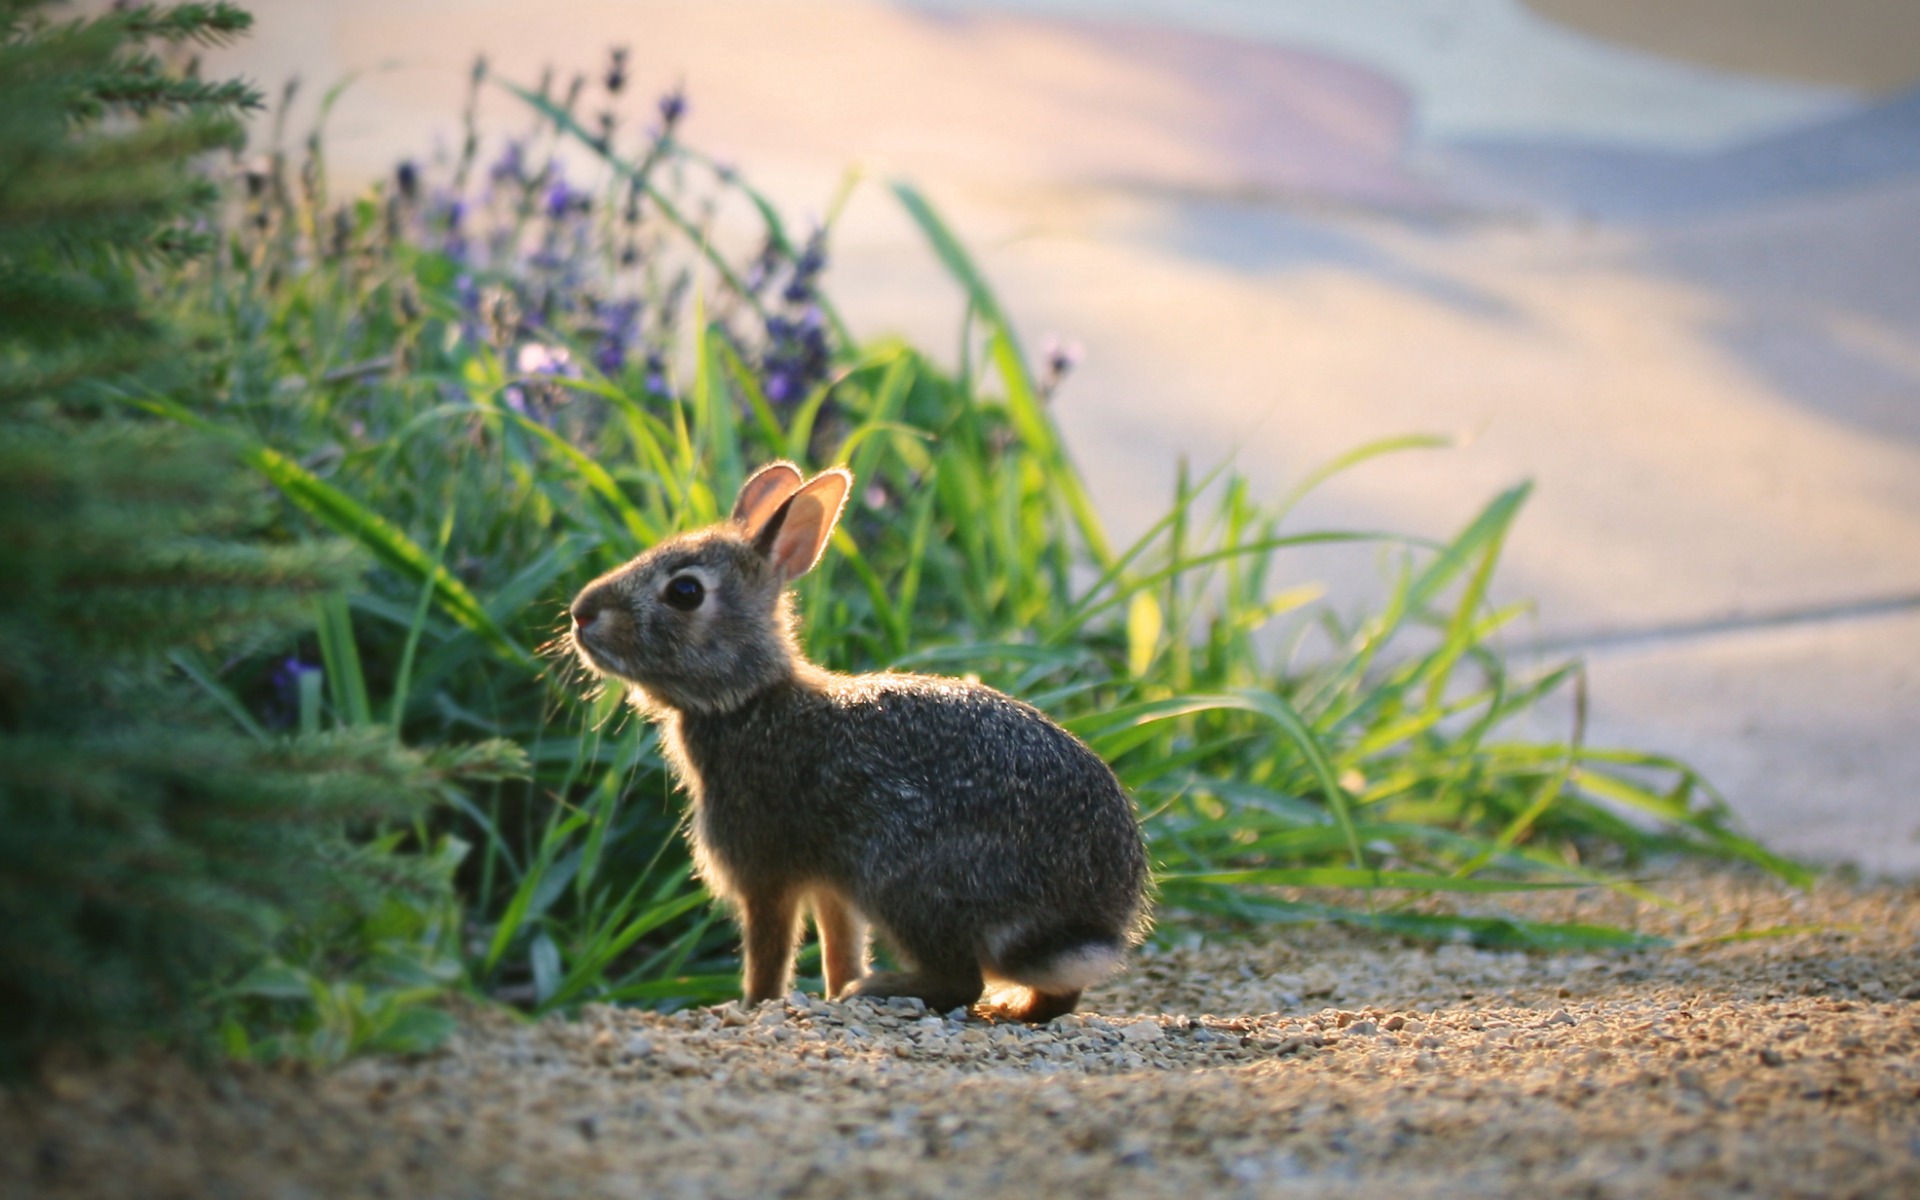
column 507, row 370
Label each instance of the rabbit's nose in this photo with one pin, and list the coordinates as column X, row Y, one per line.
column 585, row 610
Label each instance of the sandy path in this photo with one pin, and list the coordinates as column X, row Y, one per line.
column 1317, row 1063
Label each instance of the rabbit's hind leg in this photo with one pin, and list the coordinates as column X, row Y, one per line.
column 939, row 995
column 944, row 981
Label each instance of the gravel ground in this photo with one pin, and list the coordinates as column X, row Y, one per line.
column 1316, row 1062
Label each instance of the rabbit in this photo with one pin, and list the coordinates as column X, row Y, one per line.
column 981, row 842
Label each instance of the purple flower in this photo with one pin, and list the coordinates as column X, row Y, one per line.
column 283, row 709
column 761, row 269
column 673, row 106
column 511, row 166
column 804, row 282
column 291, row 670
column 796, row 358
column 619, row 325
column 1057, row 360
column 446, row 215
column 562, row 199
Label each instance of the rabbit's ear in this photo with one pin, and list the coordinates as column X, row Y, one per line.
column 797, row 532
column 761, row 495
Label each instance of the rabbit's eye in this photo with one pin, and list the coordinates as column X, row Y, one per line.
column 684, row 592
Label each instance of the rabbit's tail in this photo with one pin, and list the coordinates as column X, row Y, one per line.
column 1056, row 959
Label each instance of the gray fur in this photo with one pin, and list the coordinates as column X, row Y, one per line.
column 982, row 842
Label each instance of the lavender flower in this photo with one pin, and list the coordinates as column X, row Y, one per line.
column 673, row 106
column 511, row 166
column 283, row 707
column 764, row 264
column 803, row 284
column 1057, row 360
column 562, row 199
column 619, row 327
column 630, row 212
column 291, row 670
column 796, row 358
column 448, row 214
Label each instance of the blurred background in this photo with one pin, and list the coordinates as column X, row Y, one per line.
column 1661, row 257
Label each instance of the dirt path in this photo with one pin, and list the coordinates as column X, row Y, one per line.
column 1318, row 1063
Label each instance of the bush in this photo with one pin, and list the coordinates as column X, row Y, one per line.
column 156, row 842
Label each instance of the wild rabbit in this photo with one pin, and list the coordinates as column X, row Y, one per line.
column 983, row 843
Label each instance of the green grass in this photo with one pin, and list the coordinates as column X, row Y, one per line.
column 376, row 383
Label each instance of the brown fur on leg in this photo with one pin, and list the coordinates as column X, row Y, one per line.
column 770, row 928
column 843, row 942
